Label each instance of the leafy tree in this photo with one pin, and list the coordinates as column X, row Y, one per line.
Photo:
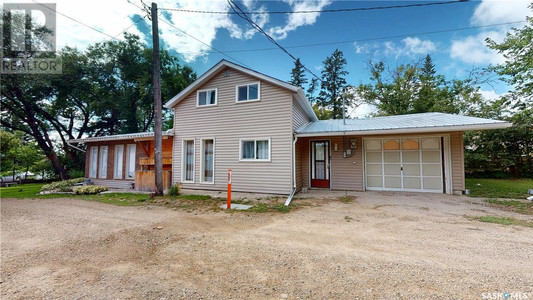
column 333, row 82
column 518, row 67
column 298, row 74
column 411, row 88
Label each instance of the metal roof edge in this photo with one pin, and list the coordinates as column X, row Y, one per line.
column 118, row 137
column 486, row 126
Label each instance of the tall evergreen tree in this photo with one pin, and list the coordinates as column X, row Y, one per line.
column 333, row 81
column 298, row 74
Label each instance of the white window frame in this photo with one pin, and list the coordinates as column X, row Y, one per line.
column 206, row 90
column 102, row 162
column 118, row 161
column 128, row 160
column 255, row 149
column 248, row 91
column 183, row 160
column 202, row 180
column 93, row 166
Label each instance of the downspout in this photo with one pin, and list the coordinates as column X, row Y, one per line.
column 288, row 201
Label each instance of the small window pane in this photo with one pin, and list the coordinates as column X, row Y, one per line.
column 262, row 150
column 208, row 164
column 189, row 161
column 248, row 150
column 212, row 97
column 253, row 92
column 243, row 93
column 202, row 98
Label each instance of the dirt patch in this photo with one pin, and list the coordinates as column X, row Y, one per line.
column 66, row 248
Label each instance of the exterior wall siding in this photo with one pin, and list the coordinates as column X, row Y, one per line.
column 348, row 176
column 299, row 117
column 458, row 159
column 227, row 123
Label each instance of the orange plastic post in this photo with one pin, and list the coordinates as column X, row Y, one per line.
column 229, row 189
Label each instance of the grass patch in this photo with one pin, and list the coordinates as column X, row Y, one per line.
column 513, row 205
column 194, row 197
column 502, row 220
column 28, row 191
column 121, row 199
column 347, row 199
column 272, row 207
column 499, row 188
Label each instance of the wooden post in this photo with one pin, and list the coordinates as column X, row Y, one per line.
column 158, row 143
column 229, row 190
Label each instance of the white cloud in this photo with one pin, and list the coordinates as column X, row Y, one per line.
column 296, row 20
column 410, row 47
column 499, row 11
column 473, row 49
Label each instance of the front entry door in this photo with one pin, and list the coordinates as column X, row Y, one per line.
column 320, row 164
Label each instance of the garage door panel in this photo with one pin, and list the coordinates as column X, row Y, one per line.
column 431, row 156
column 392, row 169
column 431, row 183
column 393, row 182
column 411, row 169
column 412, row 183
column 391, row 157
column 374, row 181
column 431, row 169
column 373, row 157
column 411, row 157
column 373, row 169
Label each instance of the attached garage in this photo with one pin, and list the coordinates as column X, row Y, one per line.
column 405, row 164
column 411, row 153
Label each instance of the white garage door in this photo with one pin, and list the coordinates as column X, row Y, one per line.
column 404, row 164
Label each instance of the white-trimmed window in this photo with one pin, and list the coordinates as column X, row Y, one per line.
column 93, row 162
column 248, row 92
column 206, row 97
column 102, row 170
column 254, row 149
column 130, row 161
column 208, row 161
column 187, row 164
column 118, row 162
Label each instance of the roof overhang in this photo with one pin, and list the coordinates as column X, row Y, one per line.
column 413, row 130
column 304, row 103
column 141, row 136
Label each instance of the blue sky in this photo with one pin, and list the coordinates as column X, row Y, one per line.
column 455, row 53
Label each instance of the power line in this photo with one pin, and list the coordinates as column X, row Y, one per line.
column 372, row 39
column 316, row 11
column 193, row 37
column 243, row 15
column 71, row 18
column 135, row 22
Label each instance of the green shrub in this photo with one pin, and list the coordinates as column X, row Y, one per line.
column 89, row 189
column 174, row 190
column 61, row 186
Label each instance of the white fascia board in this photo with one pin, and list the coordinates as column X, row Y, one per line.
column 499, row 125
column 304, row 103
column 213, row 71
column 128, row 136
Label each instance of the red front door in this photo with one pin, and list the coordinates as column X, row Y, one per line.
column 320, row 164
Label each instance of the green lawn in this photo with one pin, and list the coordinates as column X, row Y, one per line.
column 28, row 190
column 501, row 220
column 499, row 188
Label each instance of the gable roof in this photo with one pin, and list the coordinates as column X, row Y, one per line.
column 298, row 93
column 413, row 123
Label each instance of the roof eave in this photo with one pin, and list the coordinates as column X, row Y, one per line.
column 499, row 125
column 304, row 103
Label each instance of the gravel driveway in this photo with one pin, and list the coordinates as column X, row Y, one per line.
column 382, row 245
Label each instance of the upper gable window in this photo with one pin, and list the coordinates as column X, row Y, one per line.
column 206, row 97
column 248, row 92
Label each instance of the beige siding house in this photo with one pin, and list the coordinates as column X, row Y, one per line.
column 266, row 132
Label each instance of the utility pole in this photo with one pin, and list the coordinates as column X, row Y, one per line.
column 158, row 142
